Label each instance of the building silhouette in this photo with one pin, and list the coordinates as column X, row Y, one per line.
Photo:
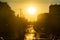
column 21, row 12
column 49, row 22
column 54, row 9
column 42, row 22
column 54, row 12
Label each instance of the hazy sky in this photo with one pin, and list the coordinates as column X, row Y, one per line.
column 42, row 5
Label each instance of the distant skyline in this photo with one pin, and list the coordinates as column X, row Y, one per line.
column 41, row 5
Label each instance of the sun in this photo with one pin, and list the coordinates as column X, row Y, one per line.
column 31, row 10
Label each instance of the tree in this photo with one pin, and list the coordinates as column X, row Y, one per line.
column 6, row 15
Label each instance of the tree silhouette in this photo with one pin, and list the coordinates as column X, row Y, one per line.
column 11, row 26
column 5, row 16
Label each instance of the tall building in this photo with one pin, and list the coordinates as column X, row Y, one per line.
column 54, row 12
column 21, row 13
column 54, row 9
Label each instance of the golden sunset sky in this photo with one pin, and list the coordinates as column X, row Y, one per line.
column 42, row 6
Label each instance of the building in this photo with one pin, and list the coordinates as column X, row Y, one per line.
column 54, row 9
column 54, row 12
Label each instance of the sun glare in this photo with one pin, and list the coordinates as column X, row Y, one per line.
column 31, row 10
